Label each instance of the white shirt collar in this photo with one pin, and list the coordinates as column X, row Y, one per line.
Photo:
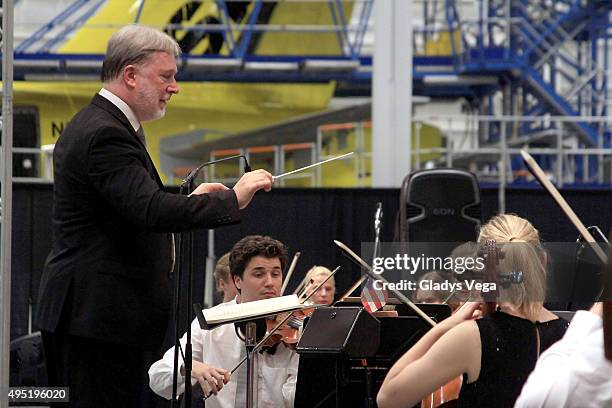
column 123, row 107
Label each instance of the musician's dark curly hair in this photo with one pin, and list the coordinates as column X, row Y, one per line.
column 254, row 245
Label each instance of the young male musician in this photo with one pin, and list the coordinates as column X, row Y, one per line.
column 223, row 280
column 256, row 265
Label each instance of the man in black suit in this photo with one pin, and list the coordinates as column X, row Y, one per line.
column 105, row 293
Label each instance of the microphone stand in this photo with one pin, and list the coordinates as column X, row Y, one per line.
column 378, row 215
column 187, row 250
column 348, row 252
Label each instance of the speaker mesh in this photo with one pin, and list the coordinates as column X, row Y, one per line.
column 441, row 206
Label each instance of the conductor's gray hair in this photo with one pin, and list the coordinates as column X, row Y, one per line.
column 132, row 45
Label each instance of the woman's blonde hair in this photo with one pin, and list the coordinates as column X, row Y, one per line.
column 525, row 254
column 320, row 270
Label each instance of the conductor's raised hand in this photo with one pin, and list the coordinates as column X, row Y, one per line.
column 210, row 378
column 249, row 184
column 206, row 188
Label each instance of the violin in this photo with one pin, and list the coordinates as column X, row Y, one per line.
column 289, row 332
column 491, row 254
column 290, row 329
column 444, row 395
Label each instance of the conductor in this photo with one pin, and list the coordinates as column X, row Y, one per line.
column 105, row 293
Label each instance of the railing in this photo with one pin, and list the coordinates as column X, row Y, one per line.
column 42, row 155
column 271, row 158
column 568, row 162
column 493, row 163
column 360, row 153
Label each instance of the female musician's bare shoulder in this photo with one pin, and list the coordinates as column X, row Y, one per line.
column 546, row 315
column 466, row 338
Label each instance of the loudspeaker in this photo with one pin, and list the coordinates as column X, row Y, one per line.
column 439, row 205
column 347, row 331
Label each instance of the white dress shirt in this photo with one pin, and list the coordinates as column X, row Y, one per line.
column 574, row 371
column 123, row 107
column 220, row 347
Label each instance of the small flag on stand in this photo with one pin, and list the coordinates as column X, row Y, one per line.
column 373, row 299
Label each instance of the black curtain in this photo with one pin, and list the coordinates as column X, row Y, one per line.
column 306, row 220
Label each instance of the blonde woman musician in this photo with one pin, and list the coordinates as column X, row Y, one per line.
column 325, row 295
column 494, row 354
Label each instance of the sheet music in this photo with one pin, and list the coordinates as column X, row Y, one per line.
column 251, row 309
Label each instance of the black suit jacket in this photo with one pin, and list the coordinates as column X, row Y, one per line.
column 107, row 276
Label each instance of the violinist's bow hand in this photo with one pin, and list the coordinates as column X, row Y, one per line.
column 211, row 379
column 468, row 311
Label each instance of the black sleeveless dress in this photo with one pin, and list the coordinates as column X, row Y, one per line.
column 509, row 354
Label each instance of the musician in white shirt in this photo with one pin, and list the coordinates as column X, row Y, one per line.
column 256, row 265
column 574, row 371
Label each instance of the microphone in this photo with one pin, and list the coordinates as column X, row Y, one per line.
column 378, row 217
column 377, row 224
column 193, row 173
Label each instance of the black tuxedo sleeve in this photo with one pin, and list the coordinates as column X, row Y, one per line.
column 121, row 172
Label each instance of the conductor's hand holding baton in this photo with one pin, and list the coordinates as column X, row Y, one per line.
column 249, row 184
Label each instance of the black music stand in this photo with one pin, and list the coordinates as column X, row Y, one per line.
column 332, row 336
column 348, row 376
column 565, row 315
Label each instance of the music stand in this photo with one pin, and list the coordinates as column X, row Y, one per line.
column 329, row 376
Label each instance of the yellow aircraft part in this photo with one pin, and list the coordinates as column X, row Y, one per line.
column 94, row 35
column 302, row 43
column 442, row 45
column 220, row 108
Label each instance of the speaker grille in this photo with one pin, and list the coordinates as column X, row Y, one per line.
column 412, row 211
column 473, row 211
column 442, row 205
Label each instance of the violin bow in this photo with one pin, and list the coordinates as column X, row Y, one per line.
column 290, row 272
column 536, row 170
column 369, row 271
column 352, row 288
column 299, row 290
column 607, row 313
column 278, row 326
